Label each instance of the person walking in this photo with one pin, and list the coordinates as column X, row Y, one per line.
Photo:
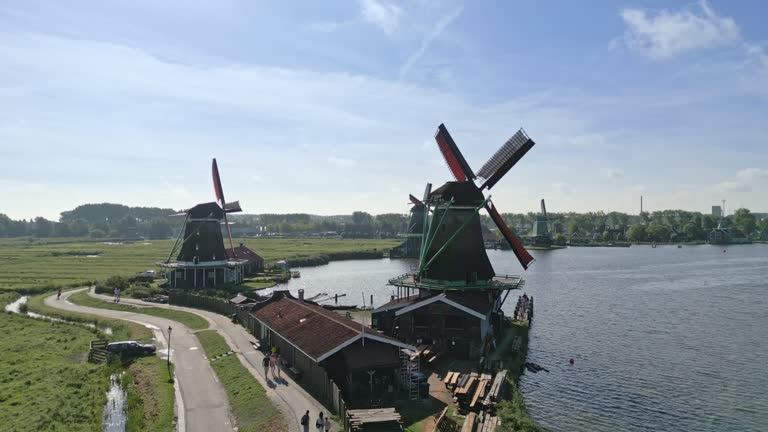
column 58, row 293
column 305, row 422
column 114, row 300
column 265, row 363
column 328, row 424
column 277, row 364
column 320, row 423
column 272, row 363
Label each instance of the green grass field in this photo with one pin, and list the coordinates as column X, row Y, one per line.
column 194, row 322
column 252, row 409
column 150, row 391
column 45, row 383
column 37, row 265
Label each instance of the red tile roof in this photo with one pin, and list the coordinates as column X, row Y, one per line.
column 242, row 252
column 312, row 329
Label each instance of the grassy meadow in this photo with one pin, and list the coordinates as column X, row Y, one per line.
column 32, row 265
column 45, row 382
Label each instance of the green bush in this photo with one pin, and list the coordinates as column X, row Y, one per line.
column 140, row 291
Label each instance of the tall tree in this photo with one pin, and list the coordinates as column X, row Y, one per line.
column 745, row 221
column 43, row 227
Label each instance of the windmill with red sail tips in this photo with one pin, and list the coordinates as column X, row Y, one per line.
column 454, row 268
column 201, row 260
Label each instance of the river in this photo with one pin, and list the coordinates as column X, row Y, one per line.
column 663, row 338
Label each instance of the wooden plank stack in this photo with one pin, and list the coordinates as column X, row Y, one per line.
column 469, row 423
column 361, row 417
column 496, row 391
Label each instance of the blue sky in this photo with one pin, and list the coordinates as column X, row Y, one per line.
column 330, row 107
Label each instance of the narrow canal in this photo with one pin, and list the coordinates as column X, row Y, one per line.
column 663, row 339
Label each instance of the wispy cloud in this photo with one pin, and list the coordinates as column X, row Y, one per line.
column 665, row 34
column 746, row 179
column 433, row 34
column 615, row 173
column 562, row 188
column 342, row 162
column 382, row 14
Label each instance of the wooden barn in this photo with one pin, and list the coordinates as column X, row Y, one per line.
column 318, row 345
column 253, row 262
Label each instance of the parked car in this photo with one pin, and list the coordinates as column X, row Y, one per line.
column 131, row 347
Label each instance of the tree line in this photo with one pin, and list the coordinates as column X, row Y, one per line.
column 115, row 220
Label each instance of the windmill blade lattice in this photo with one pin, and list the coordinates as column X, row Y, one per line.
column 505, row 158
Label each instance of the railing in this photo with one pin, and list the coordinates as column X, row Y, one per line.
column 97, row 352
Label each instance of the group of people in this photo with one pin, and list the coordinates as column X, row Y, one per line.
column 524, row 308
column 272, row 363
column 321, row 424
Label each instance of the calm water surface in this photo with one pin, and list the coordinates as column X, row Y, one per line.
column 663, row 339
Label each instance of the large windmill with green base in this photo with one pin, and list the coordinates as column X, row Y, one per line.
column 453, row 300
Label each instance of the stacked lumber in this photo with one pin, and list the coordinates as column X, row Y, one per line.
column 451, row 378
column 481, row 385
column 361, row 417
column 496, row 391
column 489, row 425
column 463, row 389
column 469, row 423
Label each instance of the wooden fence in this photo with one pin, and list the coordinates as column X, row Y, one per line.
column 97, row 352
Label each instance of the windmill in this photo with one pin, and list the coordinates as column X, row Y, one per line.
column 200, row 245
column 453, row 265
column 411, row 247
column 453, row 249
column 542, row 233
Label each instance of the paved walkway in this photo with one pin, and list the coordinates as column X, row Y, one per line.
column 203, row 399
column 292, row 400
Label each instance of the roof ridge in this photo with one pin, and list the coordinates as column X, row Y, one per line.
column 334, row 319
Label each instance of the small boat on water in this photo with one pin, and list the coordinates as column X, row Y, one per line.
column 295, row 274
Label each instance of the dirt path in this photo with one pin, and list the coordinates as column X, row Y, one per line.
column 203, row 398
column 292, row 400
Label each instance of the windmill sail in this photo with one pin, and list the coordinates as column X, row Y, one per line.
column 505, row 158
column 517, row 246
column 453, row 157
column 544, row 209
column 414, row 200
column 220, row 197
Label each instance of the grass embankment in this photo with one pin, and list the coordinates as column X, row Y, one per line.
column 149, row 385
column 39, row 265
column 512, row 411
column 252, row 409
column 194, row 322
column 150, row 396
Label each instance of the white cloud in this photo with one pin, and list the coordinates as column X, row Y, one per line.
column 749, row 174
column 433, row 34
column 382, row 14
column 615, row 173
column 665, row 34
column 732, row 186
column 343, row 162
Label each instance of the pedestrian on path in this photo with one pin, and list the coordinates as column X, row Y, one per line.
column 328, row 424
column 117, row 292
column 265, row 363
column 320, row 423
column 277, row 364
column 305, row 422
column 58, row 293
column 272, row 363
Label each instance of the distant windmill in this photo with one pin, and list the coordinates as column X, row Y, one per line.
column 411, row 247
column 542, row 231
